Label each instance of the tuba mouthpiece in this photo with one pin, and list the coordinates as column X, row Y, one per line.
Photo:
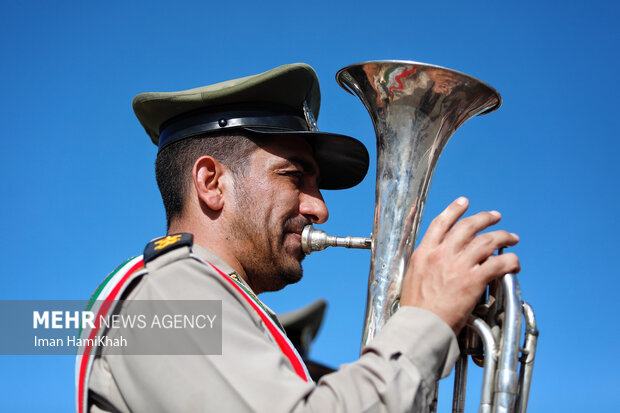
column 316, row 240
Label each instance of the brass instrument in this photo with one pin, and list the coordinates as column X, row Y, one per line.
column 415, row 109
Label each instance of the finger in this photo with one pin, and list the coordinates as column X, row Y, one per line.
column 484, row 245
column 466, row 229
column 443, row 222
column 498, row 265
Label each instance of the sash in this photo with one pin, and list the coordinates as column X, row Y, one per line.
column 277, row 334
column 108, row 293
column 101, row 303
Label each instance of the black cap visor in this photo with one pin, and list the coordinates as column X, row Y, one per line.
column 343, row 160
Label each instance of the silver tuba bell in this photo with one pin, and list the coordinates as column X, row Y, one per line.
column 415, row 109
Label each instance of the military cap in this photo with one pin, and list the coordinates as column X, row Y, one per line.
column 283, row 101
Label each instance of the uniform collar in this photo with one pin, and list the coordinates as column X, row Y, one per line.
column 222, row 265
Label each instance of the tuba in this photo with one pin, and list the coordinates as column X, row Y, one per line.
column 415, row 109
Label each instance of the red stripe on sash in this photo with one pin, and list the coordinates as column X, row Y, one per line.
column 273, row 329
column 102, row 311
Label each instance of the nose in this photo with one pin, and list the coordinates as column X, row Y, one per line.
column 312, row 206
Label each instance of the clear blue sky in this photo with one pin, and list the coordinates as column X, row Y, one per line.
column 79, row 194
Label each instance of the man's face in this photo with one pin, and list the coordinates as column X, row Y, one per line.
column 277, row 196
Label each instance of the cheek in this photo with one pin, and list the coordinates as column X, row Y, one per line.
column 276, row 198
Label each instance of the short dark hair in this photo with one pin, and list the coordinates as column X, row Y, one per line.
column 174, row 163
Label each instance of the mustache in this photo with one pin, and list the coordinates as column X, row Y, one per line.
column 296, row 224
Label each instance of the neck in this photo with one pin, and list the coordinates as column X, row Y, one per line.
column 209, row 236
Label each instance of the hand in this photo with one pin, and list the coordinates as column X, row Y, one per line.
column 452, row 266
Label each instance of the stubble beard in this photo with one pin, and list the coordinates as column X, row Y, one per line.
column 262, row 250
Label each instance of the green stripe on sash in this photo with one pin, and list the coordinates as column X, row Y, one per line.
column 107, row 279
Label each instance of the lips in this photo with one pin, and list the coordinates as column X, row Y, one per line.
column 296, row 231
column 293, row 238
column 294, row 228
column 295, row 235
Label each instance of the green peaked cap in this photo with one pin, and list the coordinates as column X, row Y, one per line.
column 282, row 101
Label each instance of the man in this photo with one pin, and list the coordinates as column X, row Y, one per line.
column 240, row 167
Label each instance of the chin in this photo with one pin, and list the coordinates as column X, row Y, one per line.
column 295, row 277
column 293, row 274
column 286, row 277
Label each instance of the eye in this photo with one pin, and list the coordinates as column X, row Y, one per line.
column 295, row 175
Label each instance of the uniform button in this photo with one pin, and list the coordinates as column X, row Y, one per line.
column 222, row 122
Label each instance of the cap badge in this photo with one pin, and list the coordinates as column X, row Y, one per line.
column 310, row 120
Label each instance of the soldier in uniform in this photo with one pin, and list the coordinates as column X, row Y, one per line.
column 240, row 167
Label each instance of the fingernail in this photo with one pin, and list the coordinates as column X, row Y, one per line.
column 461, row 201
column 495, row 213
column 515, row 236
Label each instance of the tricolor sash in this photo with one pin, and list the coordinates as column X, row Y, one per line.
column 101, row 303
column 111, row 290
column 277, row 334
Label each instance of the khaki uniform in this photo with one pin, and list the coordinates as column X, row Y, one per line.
column 396, row 372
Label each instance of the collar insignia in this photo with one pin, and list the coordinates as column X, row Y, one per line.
column 163, row 245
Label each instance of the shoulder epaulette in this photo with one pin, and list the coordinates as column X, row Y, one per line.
column 162, row 245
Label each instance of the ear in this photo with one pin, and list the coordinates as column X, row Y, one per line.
column 209, row 182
